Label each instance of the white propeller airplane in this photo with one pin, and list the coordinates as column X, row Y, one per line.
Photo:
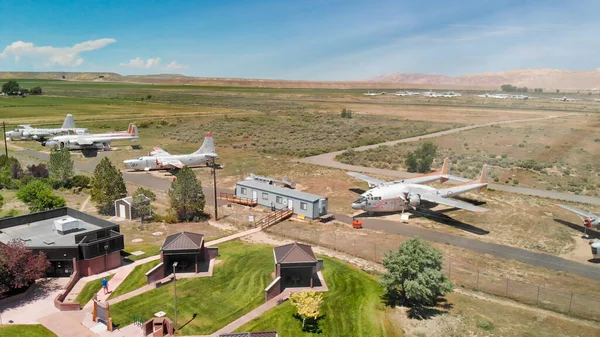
column 92, row 141
column 26, row 132
column 565, row 99
column 401, row 195
column 160, row 159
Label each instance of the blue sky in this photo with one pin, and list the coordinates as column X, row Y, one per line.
column 305, row 40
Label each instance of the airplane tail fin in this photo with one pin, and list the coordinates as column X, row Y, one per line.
column 444, row 170
column 133, row 130
column 69, row 122
column 481, row 180
column 208, row 146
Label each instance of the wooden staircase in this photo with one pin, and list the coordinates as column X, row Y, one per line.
column 275, row 217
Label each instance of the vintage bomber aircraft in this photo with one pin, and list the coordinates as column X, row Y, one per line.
column 406, row 194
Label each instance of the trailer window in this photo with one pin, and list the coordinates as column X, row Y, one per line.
column 265, row 196
column 279, row 200
column 303, row 206
column 243, row 191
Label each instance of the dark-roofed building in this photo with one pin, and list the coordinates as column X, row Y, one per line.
column 296, row 264
column 251, row 334
column 72, row 240
column 187, row 249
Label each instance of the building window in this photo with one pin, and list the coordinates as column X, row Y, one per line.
column 279, row 200
column 265, row 196
column 243, row 191
column 303, row 206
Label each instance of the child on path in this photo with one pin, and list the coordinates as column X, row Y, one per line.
column 105, row 285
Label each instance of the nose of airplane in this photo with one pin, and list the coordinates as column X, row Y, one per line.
column 358, row 205
column 128, row 163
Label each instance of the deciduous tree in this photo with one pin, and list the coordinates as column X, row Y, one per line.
column 186, row 195
column 10, row 87
column 421, row 159
column 142, row 202
column 39, row 196
column 414, row 274
column 61, row 165
column 19, row 266
column 107, row 186
column 308, row 304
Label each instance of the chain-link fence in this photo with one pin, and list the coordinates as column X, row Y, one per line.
column 533, row 294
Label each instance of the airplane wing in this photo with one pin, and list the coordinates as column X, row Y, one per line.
column 438, row 199
column 159, row 151
column 25, row 126
column 371, row 181
column 578, row 211
column 423, row 179
column 456, row 190
column 170, row 162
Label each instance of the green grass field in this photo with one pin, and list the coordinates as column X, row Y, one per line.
column 88, row 291
column 235, row 288
column 149, row 250
column 22, row 330
column 136, row 279
column 351, row 307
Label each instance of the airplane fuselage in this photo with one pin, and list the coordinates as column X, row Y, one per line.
column 146, row 163
column 391, row 198
column 40, row 134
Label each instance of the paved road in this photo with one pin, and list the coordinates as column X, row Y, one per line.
column 328, row 160
column 506, row 252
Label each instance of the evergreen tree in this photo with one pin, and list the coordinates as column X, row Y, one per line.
column 107, row 186
column 61, row 165
column 414, row 274
column 187, row 198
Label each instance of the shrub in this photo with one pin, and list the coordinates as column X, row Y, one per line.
column 485, row 325
column 80, row 181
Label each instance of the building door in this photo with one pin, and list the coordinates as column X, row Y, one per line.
column 290, row 203
column 254, row 195
column 122, row 211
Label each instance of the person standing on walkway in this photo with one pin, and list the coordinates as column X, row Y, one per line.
column 105, row 285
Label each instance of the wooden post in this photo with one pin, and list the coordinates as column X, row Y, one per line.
column 108, row 319
column 214, row 172
column 94, row 310
column 4, row 131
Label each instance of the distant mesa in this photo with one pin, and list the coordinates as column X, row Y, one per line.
column 532, row 78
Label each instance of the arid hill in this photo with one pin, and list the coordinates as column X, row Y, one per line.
column 176, row 79
column 532, row 78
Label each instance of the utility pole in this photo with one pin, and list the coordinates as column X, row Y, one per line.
column 214, row 174
column 4, row 131
column 175, row 293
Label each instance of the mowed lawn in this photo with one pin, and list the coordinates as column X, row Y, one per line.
column 136, row 279
column 351, row 307
column 89, row 289
column 25, row 330
column 236, row 287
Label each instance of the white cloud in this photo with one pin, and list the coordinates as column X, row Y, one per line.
column 142, row 64
column 51, row 56
column 174, row 65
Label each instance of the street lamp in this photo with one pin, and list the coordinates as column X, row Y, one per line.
column 105, row 257
column 175, row 292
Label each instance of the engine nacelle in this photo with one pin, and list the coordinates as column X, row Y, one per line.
column 414, row 200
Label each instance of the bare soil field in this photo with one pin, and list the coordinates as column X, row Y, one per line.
column 556, row 154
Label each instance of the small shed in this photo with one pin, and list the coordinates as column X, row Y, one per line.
column 187, row 249
column 123, row 208
column 296, row 265
column 304, row 204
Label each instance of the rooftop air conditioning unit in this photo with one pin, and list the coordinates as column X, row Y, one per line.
column 66, row 225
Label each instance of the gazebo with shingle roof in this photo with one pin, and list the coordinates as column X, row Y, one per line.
column 186, row 248
column 296, row 264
